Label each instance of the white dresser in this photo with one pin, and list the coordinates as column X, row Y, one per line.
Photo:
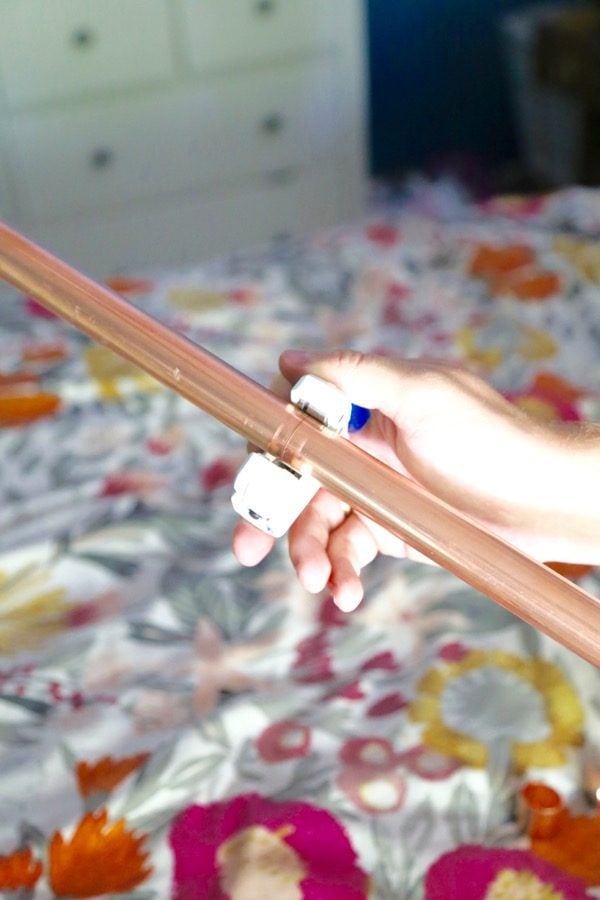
column 141, row 133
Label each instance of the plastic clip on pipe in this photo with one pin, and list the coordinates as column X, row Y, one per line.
column 270, row 494
column 515, row 581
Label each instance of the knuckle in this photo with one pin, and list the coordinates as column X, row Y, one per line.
column 347, row 359
column 441, row 380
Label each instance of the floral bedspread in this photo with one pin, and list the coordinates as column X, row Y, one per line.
column 172, row 725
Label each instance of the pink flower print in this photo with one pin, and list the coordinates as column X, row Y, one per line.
column 350, row 691
column 373, row 792
column 428, row 764
column 488, row 873
column 385, row 661
column 372, row 753
column 132, row 481
column 218, row 667
column 369, row 777
column 33, row 308
column 388, row 705
column 166, row 442
column 251, row 846
column 383, row 234
column 219, row 473
column 453, row 651
column 313, row 662
column 330, row 616
column 282, row 741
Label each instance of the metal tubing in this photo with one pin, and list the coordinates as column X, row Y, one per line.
column 521, row 585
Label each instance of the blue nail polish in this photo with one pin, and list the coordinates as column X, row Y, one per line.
column 359, row 417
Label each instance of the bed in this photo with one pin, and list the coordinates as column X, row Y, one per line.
column 174, row 725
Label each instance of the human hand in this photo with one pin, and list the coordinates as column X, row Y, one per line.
column 452, row 433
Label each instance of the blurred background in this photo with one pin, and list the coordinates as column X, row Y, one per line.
column 142, row 133
column 504, row 92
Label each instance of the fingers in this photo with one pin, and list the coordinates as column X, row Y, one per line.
column 250, row 546
column 308, row 539
column 280, row 386
column 329, row 548
column 351, row 547
column 405, row 391
column 368, row 381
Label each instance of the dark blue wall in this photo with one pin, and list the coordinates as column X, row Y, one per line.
column 438, row 82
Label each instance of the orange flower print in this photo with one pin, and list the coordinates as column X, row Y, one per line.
column 19, row 870
column 99, row 858
column 44, row 352
column 489, row 260
column 18, row 407
column 527, row 285
column 511, row 270
column 19, row 378
column 129, row 287
column 549, row 397
column 105, row 774
column 574, row 848
column 553, row 385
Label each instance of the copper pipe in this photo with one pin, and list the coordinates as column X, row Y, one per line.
column 524, row 587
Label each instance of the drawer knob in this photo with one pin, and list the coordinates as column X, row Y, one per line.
column 82, row 38
column 273, row 123
column 102, row 158
column 265, row 7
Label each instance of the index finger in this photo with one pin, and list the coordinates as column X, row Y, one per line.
column 250, row 545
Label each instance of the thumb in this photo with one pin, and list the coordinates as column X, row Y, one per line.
column 367, row 380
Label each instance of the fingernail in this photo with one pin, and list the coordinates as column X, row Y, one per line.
column 347, row 604
column 298, row 358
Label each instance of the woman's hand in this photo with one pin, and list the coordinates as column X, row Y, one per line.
column 531, row 483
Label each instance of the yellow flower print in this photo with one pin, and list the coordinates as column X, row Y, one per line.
column 536, row 344
column 509, row 885
column 31, row 610
column 583, row 255
column 195, row 299
column 114, row 375
column 485, row 358
column 256, row 861
column 491, row 696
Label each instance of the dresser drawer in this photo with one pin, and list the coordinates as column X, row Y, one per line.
column 73, row 161
column 55, row 49
column 194, row 227
column 220, row 34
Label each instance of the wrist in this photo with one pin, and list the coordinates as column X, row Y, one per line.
column 567, row 517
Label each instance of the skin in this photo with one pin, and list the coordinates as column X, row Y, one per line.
column 535, row 484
